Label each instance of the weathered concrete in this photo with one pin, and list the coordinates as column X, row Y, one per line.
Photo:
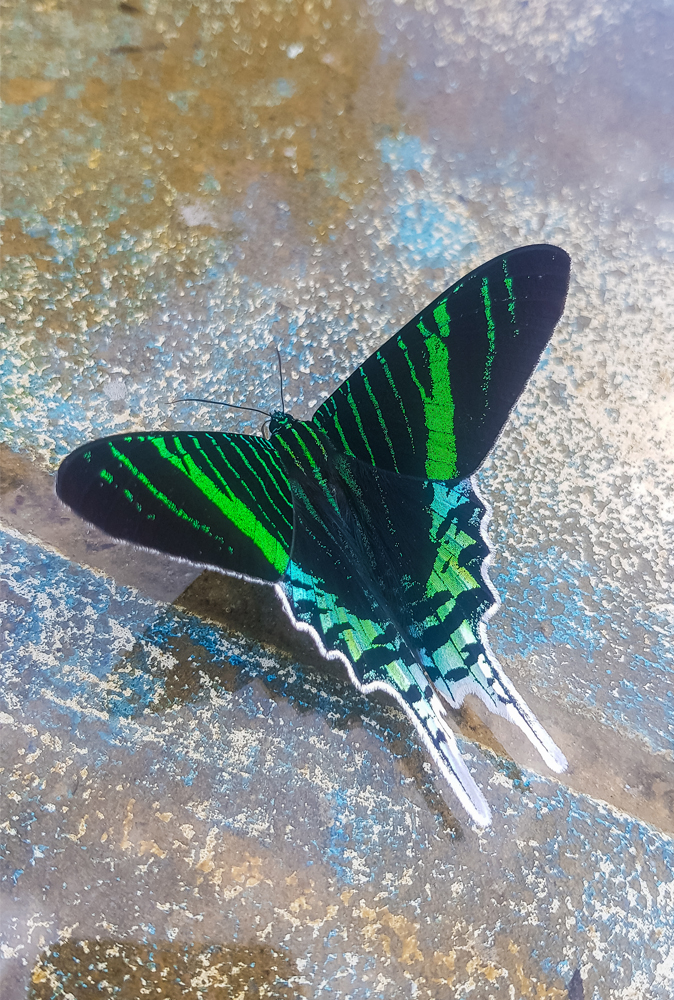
column 196, row 804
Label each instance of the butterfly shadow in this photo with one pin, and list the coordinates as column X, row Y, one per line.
column 252, row 620
column 169, row 968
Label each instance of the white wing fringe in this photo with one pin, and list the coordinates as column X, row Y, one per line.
column 436, row 735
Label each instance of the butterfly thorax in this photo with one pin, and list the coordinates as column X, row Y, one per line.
column 329, row 520
column 303, row 448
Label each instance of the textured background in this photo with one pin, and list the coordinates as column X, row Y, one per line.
column 193, row 803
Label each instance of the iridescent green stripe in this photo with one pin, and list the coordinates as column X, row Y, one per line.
column 270, row 455
column 359, row 422
column 259, row 478
column 380, row 418
column 508, row 281
column 335, row 417
column 309, row 429
column 268, row 459
column 441, row 458
column 511, row 300
column 286, row 446
column 307, row 453
column 226, row 462
column 306, row 502
column 142, row 478
column 438, row 407
column 491, row 335
column 315, row 467
column 413, row 372
column 389, row 378
column 441, row 317
column 233, row 509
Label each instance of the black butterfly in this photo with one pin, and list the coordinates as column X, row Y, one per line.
column 364, row 518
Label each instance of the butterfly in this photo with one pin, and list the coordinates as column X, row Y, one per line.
column 365, row 518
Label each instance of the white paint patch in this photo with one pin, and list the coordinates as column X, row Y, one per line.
column 115, row 390
column 198, row 213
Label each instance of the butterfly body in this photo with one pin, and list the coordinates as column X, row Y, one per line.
column 365, row 518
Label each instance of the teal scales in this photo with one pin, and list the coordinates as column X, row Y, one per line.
column 365, row 518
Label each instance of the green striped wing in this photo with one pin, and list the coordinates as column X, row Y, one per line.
column 433, row 399
column 221, row 500
column 390, row 590
column 387, row 573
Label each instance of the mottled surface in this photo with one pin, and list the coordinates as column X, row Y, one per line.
column 184, row 796
column 192, row 813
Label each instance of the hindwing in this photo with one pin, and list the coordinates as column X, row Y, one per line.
column 393, row 583
column 339, row 586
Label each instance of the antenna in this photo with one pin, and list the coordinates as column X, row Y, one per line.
column 219, row 402
column 280, row 372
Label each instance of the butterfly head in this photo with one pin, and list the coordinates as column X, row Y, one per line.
column 280, row 421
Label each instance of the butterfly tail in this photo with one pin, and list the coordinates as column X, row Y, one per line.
column 425, row 710
column 465, row 663
column 506, row 701
column 428, row 715
column 503, row 698
column 488, row 682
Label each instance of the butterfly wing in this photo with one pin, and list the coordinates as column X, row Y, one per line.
column 221, row 500
column 392, row 584
column 360, row 638
column 327, row 591
column 428, row 550
column 433, row 399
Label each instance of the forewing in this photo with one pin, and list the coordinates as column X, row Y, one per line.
column 221, row 500
column 432, row 400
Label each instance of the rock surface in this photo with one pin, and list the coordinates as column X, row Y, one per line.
column 195, row 804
